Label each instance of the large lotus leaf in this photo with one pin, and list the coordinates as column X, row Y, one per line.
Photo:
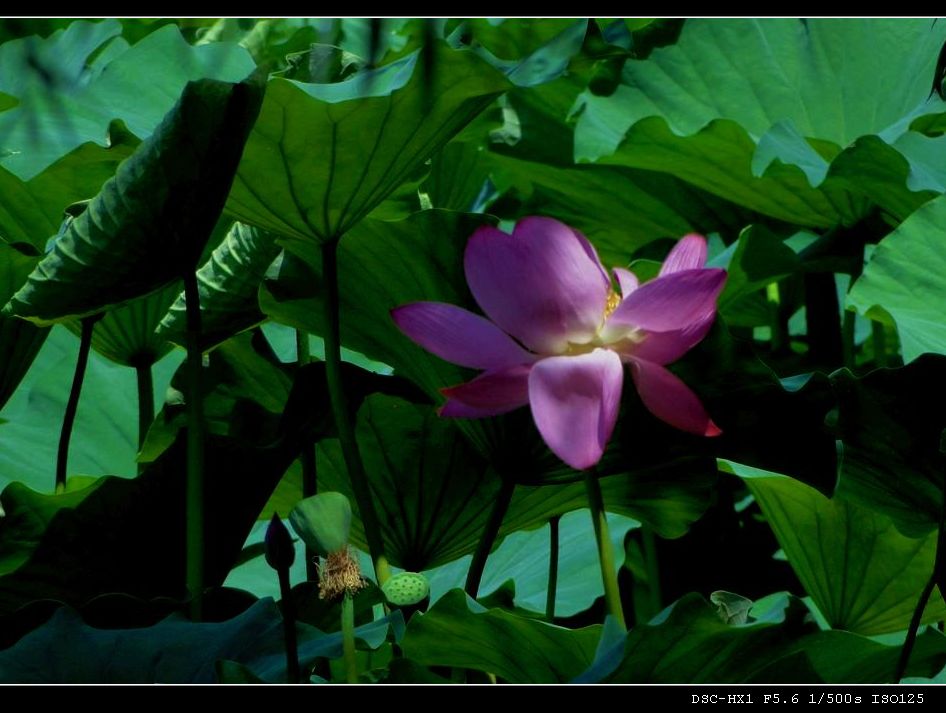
column 691, row 643
column 756, row 110
column 890, row 424
column 71, row 85
column 435, row 492
column 321, row 157
column 228, row 282
column 903, row 282
column 175, row 650
column 32, row 211
column 862, row 573
column 618, row 208
column 128, row 534
column 105, row 437
column 20, row 341
column 150, row 222
column 459, row 632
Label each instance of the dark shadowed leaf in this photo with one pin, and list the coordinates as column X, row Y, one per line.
column 890, row 424
column 150, row 222
column 175, row 650
column 690, row 643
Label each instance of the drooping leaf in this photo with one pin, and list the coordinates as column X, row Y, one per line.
column 690, row 643
column 890, row 424
column 862, row 573
column 228, row 284
column 902, row 284
column 72, row 84
column 321, row 157
column 150, row 222
column 459, row 632
column 20, row 341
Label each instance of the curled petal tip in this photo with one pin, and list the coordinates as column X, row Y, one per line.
column 712, row 430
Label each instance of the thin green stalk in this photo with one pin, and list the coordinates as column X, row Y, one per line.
column 939, row 563
column 488, row 537
column 348, row 639
column 878, row 337
column 342, row 413
column 72, row 405
column 553, row 569
column 310, row 484
column 609, row 577
column 195, row 489
column 652, row 567
column 293, row 669
column 145, row 400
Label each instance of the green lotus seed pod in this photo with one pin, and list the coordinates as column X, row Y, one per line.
column 323, row 522
column 406, row 588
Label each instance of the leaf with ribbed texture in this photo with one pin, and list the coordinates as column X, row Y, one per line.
column 228, row 282
column 322, row 156
column 757, row 111
column 903, row 282
column 149, row 224
column 435, row 492
column 862, row 573
column 20, row 341
column 459, row 632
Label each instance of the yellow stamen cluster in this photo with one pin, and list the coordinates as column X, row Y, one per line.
column 339, row 574
column 614, row 299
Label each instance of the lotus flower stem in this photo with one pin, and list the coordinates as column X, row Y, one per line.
column 348, row 639
column 310, row 485
column 293, row 674
column 553, row 569
column 342, row 413
column 72, row 405
column 194, row 493
column 488, row 537
column 609, row 577
column 145, row 400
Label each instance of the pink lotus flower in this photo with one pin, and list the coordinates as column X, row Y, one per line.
column 558, row 334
